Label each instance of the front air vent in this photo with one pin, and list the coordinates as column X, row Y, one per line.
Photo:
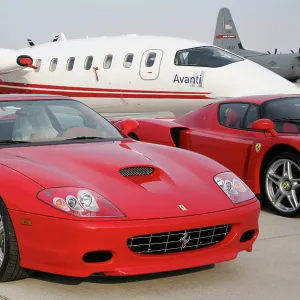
column 179, row 241
column 136, row 171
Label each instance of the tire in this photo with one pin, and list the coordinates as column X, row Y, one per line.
column 282, row 187
column 10, row 269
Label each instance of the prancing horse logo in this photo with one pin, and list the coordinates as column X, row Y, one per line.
column 184, row 240
column 258, row 147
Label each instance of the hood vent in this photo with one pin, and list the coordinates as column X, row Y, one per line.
column 136, row 171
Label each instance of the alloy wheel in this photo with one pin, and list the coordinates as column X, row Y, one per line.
column 282, row 185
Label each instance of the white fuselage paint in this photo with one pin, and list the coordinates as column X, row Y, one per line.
column 162, row 87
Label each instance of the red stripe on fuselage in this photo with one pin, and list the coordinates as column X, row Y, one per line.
column 9, row 90
column 76, row 88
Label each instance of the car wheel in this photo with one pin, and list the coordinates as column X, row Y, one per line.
column 281, row 184
column 10, row 269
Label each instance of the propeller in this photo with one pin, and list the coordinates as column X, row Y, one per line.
column 274, row 51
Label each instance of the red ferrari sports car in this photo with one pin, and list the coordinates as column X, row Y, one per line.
column 257, row 138
column 79, row 197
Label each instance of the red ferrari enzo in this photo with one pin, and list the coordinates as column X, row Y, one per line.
column 257, row 138
column 78, row 197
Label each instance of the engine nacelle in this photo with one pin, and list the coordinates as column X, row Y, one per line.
column 12, row 60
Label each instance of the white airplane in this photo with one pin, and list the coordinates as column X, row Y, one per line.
column 136, row 74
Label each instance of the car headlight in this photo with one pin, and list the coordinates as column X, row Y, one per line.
column 79, row 202
column 236, row 190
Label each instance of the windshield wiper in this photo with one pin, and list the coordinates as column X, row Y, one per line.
column 13, row 142
column 296, row 121
column 85, row 138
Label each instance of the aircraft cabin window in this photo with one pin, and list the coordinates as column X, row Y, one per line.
column 207, row 56
column 128, row 60
column 232, row 114
column 53, row 64
column 88, row 62
column 107, row 61
column 70, row 63
column 38, row 63
column 150, row 59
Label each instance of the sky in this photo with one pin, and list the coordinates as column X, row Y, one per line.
column 262, row 24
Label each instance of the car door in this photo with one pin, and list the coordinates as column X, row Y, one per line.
column 230, row 139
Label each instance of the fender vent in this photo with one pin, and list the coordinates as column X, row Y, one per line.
column 136, row 171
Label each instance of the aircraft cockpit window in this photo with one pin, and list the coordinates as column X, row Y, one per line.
column 128, row 60
column 70, row 63
column 206, row 56
column 53, row 64
column 107, row 61
column 38, row 63
column 88, row 63
column 150, row 59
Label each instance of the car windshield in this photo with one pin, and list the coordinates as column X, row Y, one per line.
column 282, row 109
column 52, row 120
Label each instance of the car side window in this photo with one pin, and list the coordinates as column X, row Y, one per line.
column 232, row 114
column 252, row 115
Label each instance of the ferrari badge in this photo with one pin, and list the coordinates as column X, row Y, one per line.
column 182, row 207
column 258, row 147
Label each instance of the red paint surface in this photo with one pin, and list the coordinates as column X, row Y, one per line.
column 56, row 241
column 202, row 133
column 78, row 88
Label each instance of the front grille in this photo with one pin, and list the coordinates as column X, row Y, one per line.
column 177, row 241
column 136, row 171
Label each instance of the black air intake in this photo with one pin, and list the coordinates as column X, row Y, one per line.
column 179, row 241
column 136, row 171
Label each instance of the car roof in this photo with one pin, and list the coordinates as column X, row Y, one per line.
column 259, row 99
column 18, row 97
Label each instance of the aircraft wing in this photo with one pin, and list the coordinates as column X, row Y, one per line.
column 297, row 55
column 12, row 60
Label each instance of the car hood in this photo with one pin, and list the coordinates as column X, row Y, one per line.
column 182, row 177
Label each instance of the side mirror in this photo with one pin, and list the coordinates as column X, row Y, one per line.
column 129, row 126
column 265, row 124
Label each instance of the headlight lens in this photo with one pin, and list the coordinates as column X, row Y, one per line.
column 79, row 202
column 87, row 200
column 236, row 190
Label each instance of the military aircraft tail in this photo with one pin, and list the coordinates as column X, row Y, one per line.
column 227, row 37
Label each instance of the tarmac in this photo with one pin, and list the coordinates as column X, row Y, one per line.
column 270, row 272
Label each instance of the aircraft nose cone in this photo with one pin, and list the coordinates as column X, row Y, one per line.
column 249, row 78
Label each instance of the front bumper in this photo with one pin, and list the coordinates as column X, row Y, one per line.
column 57, row 245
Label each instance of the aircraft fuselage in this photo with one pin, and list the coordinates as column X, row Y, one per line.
column 138, row 73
